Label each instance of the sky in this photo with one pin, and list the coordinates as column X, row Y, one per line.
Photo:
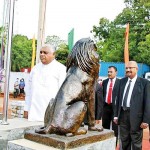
column 62, row 16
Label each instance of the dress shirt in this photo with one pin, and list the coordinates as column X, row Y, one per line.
column 130, row 90
column 113, row 80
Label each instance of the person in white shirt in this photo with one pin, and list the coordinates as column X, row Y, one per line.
column 44, row 82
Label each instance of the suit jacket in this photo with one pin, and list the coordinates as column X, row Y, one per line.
column 98, row 101
column 114, row 92
column 139, row 103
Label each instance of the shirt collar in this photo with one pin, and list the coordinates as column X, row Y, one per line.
column 133, row 80
column 114, row 79
column 51, row 63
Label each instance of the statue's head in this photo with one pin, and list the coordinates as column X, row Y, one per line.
column 84, row 56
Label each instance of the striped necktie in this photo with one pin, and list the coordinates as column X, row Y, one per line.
column 126, row 95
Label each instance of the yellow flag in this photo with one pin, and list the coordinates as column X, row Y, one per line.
column 33, row 52
column 126, row 47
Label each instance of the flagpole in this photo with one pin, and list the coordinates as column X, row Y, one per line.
column 41, row 28
column 126, row 47
column 8, row 62
column 1, row 53
column 33, row 52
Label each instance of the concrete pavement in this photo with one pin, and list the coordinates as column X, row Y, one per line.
column 15, row 130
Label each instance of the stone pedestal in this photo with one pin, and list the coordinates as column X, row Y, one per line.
column 93, row 140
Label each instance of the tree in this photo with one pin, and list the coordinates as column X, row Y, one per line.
column 102, row 31
column 144, row 51
column 21, row 53
column 62, row 53
column 3, row 33
column 111, row 34
column 62, row 48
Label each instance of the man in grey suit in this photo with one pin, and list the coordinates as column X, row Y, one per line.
column 132, row 108
column 110, row 99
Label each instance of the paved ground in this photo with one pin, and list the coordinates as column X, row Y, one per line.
column 146, row 143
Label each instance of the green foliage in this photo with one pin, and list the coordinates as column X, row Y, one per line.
column 21, row 53
column 111, row 34
column 3, row 36
column 62, row 48
column 62, row 53
column 144, row 51
column 102, row 31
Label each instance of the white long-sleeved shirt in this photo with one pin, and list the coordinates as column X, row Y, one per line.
column 130, row 90
column 44, row 83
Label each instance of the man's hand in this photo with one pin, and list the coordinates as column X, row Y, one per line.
column 144, row 125
column 97, row 121
column 26, row 114
column 115, row 120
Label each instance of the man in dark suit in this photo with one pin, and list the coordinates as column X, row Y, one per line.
column 98, row 102
column 110, row 91
column 132, row 108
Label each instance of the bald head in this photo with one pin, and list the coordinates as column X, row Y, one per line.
column 131, row 69
column 132, row 63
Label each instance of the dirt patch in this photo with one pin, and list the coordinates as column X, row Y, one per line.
column 11, row 97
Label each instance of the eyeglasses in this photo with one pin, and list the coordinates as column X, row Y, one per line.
column 44, row 52
column 130, row 67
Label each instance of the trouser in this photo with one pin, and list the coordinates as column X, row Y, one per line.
column 16, row 92
column 107, row 119
column 128, row 137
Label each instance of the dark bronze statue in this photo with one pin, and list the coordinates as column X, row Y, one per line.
column 66, row 112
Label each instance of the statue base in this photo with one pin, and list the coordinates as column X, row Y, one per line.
column 94, row 140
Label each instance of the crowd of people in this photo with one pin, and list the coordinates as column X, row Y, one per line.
column 122, row 105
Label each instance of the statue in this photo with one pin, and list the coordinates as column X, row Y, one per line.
column 66, row 112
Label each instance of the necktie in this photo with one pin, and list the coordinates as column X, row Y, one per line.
column 126, row 96
column 110, row 92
